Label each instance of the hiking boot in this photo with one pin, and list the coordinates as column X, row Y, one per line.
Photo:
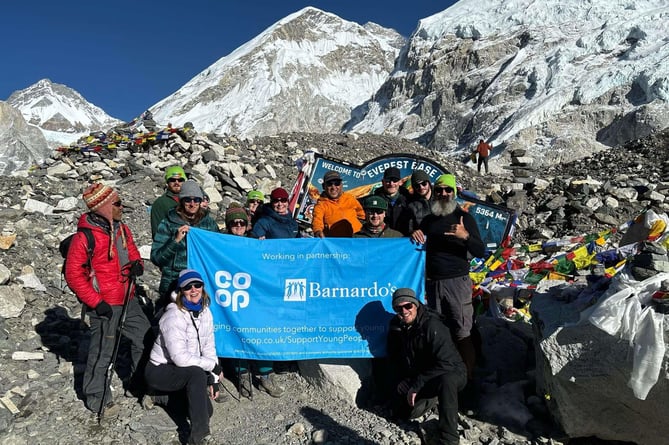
column 244, row 385
column 267, row 384
column 422, row 406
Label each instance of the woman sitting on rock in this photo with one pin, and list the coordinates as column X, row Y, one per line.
column 184, row 354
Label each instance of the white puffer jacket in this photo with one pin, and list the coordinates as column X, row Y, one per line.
column 178, row 343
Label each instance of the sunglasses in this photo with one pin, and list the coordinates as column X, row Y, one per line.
column 403, row 307
column 375, row 211
column 173, row 180
column 391, row 180
column 196, row 285
column 117, row 204
column 254, row 201
column 191, row 199
column 423, row 183
column 439, row 190
column 335, row 182
column 238, row 223
column 280, row 200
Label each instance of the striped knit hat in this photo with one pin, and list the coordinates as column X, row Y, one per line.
column 100, row 199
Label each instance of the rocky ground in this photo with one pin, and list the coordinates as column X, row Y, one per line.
column 43, row 341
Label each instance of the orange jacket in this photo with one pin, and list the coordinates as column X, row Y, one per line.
column 327, row 212
column 483, row 149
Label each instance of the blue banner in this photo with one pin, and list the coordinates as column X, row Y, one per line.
column 303, row 298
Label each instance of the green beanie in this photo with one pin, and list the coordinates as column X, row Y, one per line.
column 447, row 180
column 175, row 172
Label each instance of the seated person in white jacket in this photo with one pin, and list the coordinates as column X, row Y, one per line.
column 184, row 355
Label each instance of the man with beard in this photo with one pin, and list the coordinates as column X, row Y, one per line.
column 449, row 235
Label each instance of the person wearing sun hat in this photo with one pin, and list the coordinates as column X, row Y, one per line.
column 169, row 248
column 183, row 357
column 102, row 285
column 425, row 367
column 175, row 176
column 450, row 235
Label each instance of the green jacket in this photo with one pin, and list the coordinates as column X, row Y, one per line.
column 167, row 254
column 159, row 209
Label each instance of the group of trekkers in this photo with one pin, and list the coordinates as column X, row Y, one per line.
column 431, row 347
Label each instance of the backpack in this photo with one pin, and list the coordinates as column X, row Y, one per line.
column 64, row 247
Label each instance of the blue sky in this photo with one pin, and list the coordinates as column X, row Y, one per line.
column 124, row 56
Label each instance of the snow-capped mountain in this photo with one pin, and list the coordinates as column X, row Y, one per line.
column 304, row 73
column 20, row 144
column 60, row 112
column 552, row 76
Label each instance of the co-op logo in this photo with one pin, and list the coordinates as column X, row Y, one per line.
column 232, row 289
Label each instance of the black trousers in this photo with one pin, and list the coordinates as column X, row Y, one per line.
column 170, row 378
column 445, row 388
column 103, row 338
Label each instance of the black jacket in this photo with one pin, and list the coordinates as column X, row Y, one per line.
column 446, row 255
column 423, row 350
column 396, row 213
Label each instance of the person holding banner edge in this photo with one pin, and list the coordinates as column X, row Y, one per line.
column 425, row 366
column 450, row 234
column 169, row 248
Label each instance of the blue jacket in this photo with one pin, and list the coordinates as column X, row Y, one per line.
column 272, row 225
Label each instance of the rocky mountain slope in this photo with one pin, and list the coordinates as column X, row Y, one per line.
column 559, row 78
column 21, row 144
column 43, row 342
column 304, row 73
column 60, row 112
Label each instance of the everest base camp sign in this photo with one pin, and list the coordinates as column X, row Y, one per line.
column 303, row 298
column 495, row 222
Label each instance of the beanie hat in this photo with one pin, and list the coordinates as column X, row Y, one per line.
column 404, row 295
column 418, row 176
column 98, row 196
column 187, row 276
column 375, row 202
column 331, row 175
column 392, row 173
column 175, row 172
column 279, row 193
column 99, row 199
column 235, row 211
column 190, row 189
column 447, row 180
column 255, row 194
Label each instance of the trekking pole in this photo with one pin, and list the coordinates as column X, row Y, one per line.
column 117, row 342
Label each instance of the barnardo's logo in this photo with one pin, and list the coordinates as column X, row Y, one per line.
column 232, row 289
column 298, row 289
column 295, row 290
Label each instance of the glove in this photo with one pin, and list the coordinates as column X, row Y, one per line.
column 211, row 381
column 103, row 309
column 136, row 268
column 217, row 369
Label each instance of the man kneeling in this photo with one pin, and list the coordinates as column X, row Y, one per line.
column 427, row 364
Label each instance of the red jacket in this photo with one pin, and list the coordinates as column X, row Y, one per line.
column 483, row 149
column 111, row 284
